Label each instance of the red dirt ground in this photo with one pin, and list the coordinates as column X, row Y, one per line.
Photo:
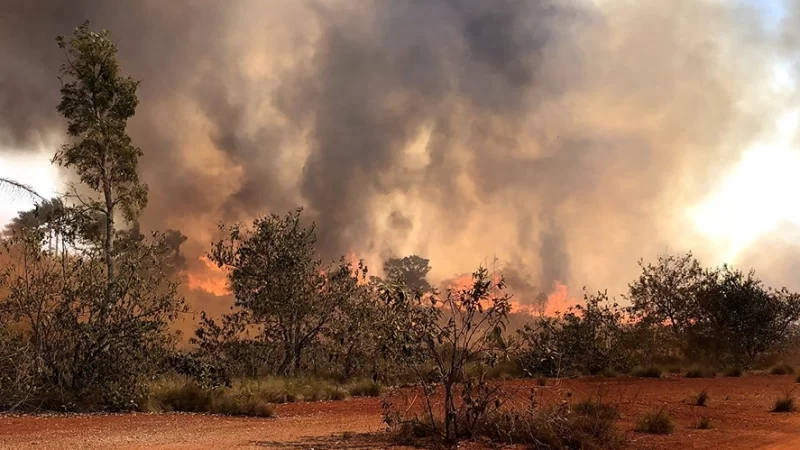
column 738, row 407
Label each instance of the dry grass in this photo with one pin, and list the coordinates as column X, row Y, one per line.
column 704, row 423
column 646, row 372
column 700, row 372
column 782, row 369
column 733, row 372
column 657, row 421
column 701, row 399
column 585, row 425
column 784, row 404
column 245, row 397
column 364, row 388
column 187, row 396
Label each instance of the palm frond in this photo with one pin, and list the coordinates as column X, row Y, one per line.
column 12, row 188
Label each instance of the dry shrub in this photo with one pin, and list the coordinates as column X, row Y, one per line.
column 701, row 399
column 782, row 369
column 784, row 404
column 734, row 372
column 704, row 423
column 700, row 372
column 657, row 421
column 586, row 425
column 364, row 388
column 646, row 372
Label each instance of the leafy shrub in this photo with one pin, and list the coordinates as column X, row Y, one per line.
column 784, row 404
column 655, row 422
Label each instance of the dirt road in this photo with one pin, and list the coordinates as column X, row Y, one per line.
column 738, row 408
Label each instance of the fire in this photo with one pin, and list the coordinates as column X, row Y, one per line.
column 209, row 278
column 559, row 300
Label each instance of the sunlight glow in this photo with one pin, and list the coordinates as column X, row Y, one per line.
column 36, row 171
column 758, row 196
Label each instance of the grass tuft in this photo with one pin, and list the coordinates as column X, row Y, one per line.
column 364, row 388
column 704, row 423
column 701, row 399
column 784, row 404
column 782, row 369
column 655, row 422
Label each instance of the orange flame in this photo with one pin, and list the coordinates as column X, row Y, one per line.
column 559, row 300
column 209, row 278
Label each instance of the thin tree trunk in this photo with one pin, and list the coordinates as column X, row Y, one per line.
column 109, row 237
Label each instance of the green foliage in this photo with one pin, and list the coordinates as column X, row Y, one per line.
column 657, row 421
column 718, row 313
column 587, row 339
column 411, row 271
column 450, row 333
column 284, row 294
column 97, row 102
column 86, row 308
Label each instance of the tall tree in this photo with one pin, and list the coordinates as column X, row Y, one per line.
column 97, row 101
column 281, row 285
column 410, row 271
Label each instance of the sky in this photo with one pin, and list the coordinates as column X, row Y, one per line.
column 569, row 138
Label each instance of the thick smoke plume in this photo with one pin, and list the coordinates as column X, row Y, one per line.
column 566, row 138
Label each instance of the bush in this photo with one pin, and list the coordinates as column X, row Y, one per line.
column 655, row 422
column 364, row 388
column 704, row 423
column 593, row 408
column 782, row 369
column 675, row 369
column 188, row 396
column 701, row 399
column 586, row 425
column 733, row 372
column 646, row 372
column 784, row 404
column 229, row 404
column 701, row 372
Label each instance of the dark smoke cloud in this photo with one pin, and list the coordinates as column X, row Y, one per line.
column 564, row 137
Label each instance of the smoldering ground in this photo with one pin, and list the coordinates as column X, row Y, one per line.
column 567, row 138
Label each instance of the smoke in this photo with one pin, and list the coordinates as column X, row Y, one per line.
column 566, row 138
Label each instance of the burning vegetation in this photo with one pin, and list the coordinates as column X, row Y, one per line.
column 88, row 302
